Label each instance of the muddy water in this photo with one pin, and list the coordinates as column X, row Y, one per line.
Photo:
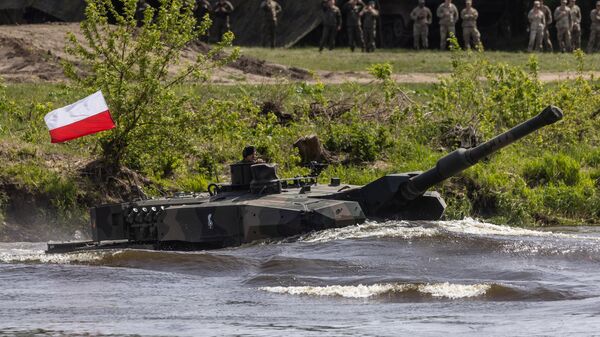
column 378, row 279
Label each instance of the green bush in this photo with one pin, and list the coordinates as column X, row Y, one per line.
column 552, row 170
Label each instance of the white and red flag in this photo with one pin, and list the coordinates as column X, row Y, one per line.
column 90, row 115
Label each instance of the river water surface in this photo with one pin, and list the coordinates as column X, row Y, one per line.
column 377, row 279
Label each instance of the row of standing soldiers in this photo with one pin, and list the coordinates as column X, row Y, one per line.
column 361, row 24
column 220, row 12
column 448, row 15
column 568, row 27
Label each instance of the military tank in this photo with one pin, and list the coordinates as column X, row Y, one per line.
column 257, row 205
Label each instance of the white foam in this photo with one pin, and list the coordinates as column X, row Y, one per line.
column 390, row 229
column 454, row 291
column 475, row 227
column 39, row 256
column 445, row 290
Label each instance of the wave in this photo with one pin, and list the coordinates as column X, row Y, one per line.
column 194, row 262
column 390, row 229
column 432, row 291
column 407, row 230
column 435, row 290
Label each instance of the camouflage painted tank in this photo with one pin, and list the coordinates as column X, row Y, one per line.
column 258, row 205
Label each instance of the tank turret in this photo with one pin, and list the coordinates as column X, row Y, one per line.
column 405, row 196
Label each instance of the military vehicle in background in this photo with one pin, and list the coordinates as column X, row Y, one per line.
column 257, row 205
column 40, row 11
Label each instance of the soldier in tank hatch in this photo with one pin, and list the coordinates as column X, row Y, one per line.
column 249, row 156
column 469, row 17
column 448, row 15
column 221, row 22
column 369, row 17
column 422, row 18
column 332, row 23
column 537, row 24
column 270, row 10
column 562, row 17
column 594, row 42
column 352, row 11
column 576, row 25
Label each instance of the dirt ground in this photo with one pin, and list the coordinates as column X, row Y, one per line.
column 32, row 53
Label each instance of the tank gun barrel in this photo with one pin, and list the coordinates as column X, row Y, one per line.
column 461, row 159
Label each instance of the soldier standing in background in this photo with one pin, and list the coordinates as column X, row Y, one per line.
column 201, row 8
column 469, row 17
column 369, row 16
column 562, row 16
column 352, row 11
column 448, row 15
column 271, row 10
column 547, row 39
column 140, row 10
column 576, row 25
column 222, row 10
column 595, row 29
column 332, row 23
column 537, row 24
column 422, row 17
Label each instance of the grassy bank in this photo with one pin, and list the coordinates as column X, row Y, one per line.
column 407, row 61
column 549, row 179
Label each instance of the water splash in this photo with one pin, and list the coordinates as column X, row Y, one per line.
column 439, row 290
column 390, row 229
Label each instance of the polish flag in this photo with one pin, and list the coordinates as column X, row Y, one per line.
column 90, row 115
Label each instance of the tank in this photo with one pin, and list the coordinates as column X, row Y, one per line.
column 258, row 205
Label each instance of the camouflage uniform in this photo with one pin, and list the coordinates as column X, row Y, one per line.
column 202, row 8
column 271, row 10
column 576, row 22
column 221, row 11
column 332, row 21
column 562, row 16
column 140, row 10
column 547, row 40
column 369, row 16
column 422, row 19
column 448, row 15
column 595, row 30
column 353, row 26
column 537, row 24
column 469, row 24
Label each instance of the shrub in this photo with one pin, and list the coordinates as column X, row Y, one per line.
column 132, row 66
column 552, row 170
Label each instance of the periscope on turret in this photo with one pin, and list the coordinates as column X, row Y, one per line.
column 258, row 205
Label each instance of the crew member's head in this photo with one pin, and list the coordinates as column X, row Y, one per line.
column 421, row 3
column 249, row 153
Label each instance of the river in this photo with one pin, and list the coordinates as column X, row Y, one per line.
column 378, row 279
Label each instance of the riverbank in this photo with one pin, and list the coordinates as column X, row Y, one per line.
column 369, row 129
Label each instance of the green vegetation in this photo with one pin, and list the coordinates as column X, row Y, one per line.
column 406, row 61
column 549, row 178
column 131, row 65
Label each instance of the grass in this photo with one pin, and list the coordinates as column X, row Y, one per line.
column 407, row 61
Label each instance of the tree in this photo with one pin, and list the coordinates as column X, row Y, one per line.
column 138, row 66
